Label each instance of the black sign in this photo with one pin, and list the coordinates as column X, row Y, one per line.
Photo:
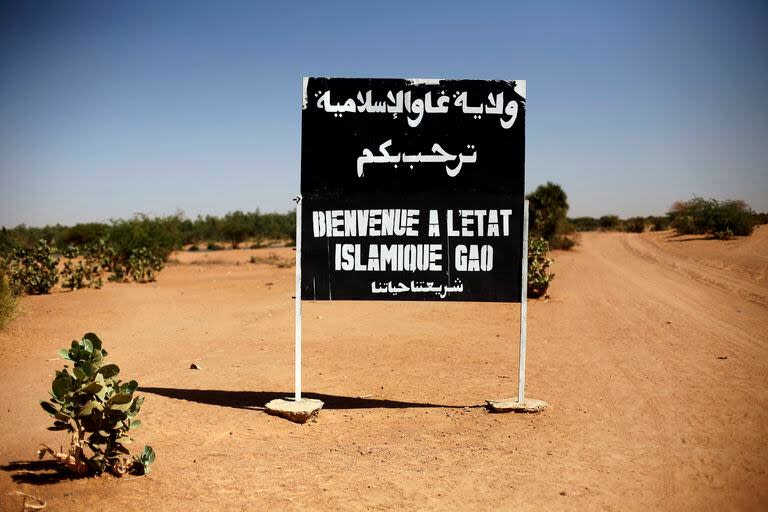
column 412, row 189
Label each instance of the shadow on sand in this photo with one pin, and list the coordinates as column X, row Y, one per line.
column 42, row 472
column 256, row 399
column 38, row 472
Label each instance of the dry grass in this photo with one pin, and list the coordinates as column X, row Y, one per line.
column 273, row 259
column 8, row 302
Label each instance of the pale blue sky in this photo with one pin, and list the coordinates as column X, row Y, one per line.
column 111, row 108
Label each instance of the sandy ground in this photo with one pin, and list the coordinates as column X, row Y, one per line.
column 653, row 351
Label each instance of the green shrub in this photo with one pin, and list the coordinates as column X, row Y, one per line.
column 160, row 236
column 658, row 223
column 634, row 224
column 33, row 270
column 549, row 209
column 81, row 235
column 143, row 264
column 539, row 275
column 83, row 273
column 8, row 301
column 584, row 223
column 97, row 409
column 7, row 242
column 719, row 219
column 236, row 227
column 563, row 243
column 609, row 222
column 139, row 263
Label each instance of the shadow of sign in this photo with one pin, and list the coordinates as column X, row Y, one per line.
column 255, row 399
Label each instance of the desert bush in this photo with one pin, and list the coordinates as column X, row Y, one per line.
column 193, row 248
column 719, row 219
column 76, row 275
column 81, row 235
column 88, row 401
column 7, row 242
column 658, row 223
column 236, row 227
column 143, row 265
column 33, row 271
column 160, row 236
column 83, row 273
column 563, row 243
column 549, row 209
column 609, row 222
column 214, row 247
column 634, row 224
column 8, row 300
column 584, row 223
column 539, row 275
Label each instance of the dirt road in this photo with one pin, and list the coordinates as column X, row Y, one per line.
column 653, row 351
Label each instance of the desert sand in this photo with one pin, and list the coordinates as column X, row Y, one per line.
column 652, row 350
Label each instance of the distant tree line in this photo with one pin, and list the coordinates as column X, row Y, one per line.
column 717, row 219
column 160, row 235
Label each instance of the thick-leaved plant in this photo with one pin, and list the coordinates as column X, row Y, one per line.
column 539, row 275
column 33, row 270
column 89, row 401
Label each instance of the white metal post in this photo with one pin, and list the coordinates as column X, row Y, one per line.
column 523, row 307
column 297, row 320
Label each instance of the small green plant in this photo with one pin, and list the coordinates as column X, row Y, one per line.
column 97, row 409
column 83, row 273
column 8, row 301
column 145, row 460
column 539, row 275
column 102, row 253
column 119, row 273
column 143, row 264
column 33, row 270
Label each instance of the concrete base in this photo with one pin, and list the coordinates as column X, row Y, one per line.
column 300, row 412
column 512, row 405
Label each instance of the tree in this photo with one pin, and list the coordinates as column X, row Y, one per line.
column 236, row 227
column 609, row 222
column 549, row 211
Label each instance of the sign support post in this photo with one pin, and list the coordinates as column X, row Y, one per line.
column 521, row 404
column 297, row 319
column 297, row 409
column 523, row 307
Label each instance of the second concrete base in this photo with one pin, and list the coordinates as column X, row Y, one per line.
column 299, row 412
column 512, row 405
